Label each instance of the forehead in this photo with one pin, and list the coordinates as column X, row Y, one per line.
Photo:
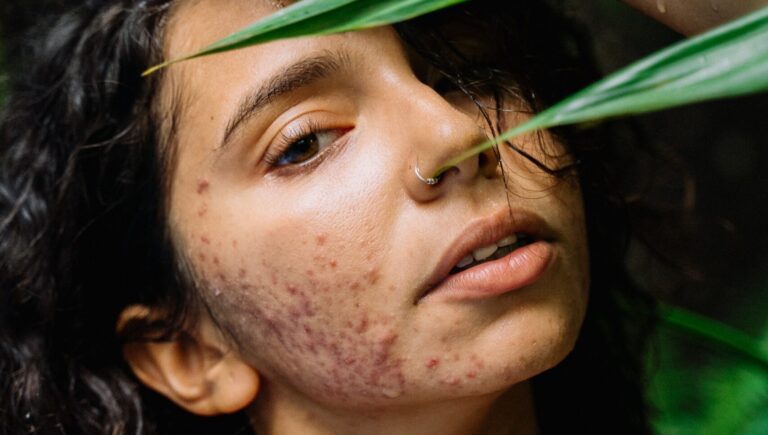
column 194, row 24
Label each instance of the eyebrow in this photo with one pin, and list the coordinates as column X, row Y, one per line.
column 294, row 77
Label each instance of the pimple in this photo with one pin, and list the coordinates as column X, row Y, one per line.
column 202, row 211
column 202, row 186
column 241, row 273
column 471, row 374
column 306, row 307
column 202, row 257
column 478, row 363
column 362, row 325
column 321, row 238
column 432, row 363
column 453, row 380
column 205, row 240
column 372, row 275
column 290, row 288
column 294, row 313
column 333, row 264
column 215, row 260
column 310, row 272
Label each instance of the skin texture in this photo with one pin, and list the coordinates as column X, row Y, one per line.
column 314, row 270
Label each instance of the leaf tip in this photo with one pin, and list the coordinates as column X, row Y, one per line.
column 151, row 70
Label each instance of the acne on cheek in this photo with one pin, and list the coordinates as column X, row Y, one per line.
column 202, row 186
column 298, row 318
column 317, row 335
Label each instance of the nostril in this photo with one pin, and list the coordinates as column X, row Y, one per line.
column 453, row 170
column 483, row 160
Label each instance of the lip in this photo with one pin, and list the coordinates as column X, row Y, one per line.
column 515, row 270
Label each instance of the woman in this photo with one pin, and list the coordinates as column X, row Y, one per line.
column 248, row 241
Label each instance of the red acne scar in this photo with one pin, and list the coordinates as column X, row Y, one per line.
column 202, row 257
column 432, row 363
column 290, row 288
column 452, row 381
column 202, row 186
column 362, row 325
column 372, row 275
column 333, row 264
column 202, row 211
column 472, row 375
column 321, row 239
column 216, row 260
column 205, row 240
column 241, row 273
column 477, row 361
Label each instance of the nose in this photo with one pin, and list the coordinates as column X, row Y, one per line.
column 440, row 130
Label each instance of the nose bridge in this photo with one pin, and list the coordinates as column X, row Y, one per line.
column 441, row 130
column 435, row 130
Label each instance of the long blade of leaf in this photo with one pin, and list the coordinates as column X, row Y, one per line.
column 715, row 332
column 319, row 17
column 729, row 61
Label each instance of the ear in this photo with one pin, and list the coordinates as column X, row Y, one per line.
column 197, row 369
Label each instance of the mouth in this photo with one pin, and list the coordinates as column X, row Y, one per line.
column 492, row 256
column 492, row 252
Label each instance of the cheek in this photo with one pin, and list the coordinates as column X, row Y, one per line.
column 301, row 303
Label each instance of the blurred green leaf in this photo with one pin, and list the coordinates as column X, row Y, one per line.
column 716, row 333
column 704, row 391
column 728, row 61
column 319, row 17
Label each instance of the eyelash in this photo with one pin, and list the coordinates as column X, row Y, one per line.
column 291, row 137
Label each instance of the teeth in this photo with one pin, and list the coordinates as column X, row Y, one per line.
column 485, row 252
column 511, row 240
column 465, row 261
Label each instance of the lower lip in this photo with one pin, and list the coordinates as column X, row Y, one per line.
column 519, row 268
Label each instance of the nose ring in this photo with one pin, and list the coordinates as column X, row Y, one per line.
column 431, row 181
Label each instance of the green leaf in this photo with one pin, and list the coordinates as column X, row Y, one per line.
column 716, row 333
column 702, row 390
column 729, row 61
column 319, row 17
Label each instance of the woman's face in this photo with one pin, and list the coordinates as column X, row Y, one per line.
column 295, row 201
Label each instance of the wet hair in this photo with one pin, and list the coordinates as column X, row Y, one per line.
column 85, row 163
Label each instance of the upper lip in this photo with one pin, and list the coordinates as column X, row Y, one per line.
column 483, row 232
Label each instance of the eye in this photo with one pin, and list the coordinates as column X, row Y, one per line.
column 302, row 144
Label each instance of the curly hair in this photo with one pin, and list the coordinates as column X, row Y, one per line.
column 86, row 158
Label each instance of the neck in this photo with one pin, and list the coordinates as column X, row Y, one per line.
column 509, row 413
